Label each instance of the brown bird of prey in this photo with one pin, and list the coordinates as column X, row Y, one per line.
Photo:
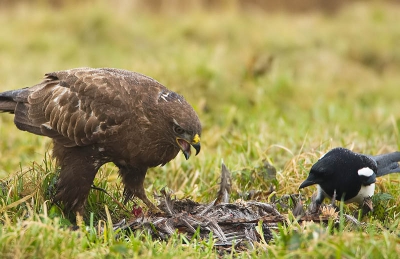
column 96, row 116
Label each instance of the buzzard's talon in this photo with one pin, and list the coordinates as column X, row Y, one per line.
column 153, row 209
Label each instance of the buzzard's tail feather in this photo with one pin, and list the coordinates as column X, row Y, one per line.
column 22, row 121
column 7, row 101
column 387, row 163
column 7, row 105
column 15, row 102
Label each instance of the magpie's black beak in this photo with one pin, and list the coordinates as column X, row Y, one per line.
column 306, row 183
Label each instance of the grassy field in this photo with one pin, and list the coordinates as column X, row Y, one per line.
column 275, row 86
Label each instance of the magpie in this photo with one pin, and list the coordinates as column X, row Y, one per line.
column 351, row 176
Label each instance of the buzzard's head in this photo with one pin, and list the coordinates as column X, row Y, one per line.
column 185, row 138
column 184, row 127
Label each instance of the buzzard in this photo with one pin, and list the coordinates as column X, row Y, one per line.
column 96, row 116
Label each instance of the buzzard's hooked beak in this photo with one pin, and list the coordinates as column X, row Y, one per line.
column 197, row 147
column 185, row 145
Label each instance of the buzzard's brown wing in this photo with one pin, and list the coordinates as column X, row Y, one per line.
column 81, row 106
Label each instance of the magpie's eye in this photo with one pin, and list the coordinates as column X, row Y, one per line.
column 179, row 130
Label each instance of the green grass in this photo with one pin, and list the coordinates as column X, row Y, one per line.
column 280, row 87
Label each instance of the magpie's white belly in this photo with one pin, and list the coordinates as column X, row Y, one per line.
column 365, row 191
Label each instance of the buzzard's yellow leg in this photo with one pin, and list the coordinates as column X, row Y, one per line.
column 140, row 193
column 133, row 179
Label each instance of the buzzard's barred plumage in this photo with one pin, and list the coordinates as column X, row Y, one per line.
column 96, row 116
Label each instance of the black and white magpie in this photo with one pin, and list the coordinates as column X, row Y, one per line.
column 350, row 174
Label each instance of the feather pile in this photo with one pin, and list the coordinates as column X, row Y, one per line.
column 231, row 225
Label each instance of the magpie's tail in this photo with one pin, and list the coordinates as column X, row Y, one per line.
column 387, row 163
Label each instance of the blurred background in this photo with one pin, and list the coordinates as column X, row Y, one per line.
column 281, row 81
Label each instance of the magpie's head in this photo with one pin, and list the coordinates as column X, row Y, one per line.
column 323, row 169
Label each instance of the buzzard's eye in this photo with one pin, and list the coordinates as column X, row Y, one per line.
column 179, row 130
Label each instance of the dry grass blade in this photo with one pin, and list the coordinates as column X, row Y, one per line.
column 225, row 186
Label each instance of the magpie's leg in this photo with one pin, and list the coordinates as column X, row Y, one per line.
column 366, row 207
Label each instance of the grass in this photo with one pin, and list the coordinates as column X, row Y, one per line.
column 279, row 87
